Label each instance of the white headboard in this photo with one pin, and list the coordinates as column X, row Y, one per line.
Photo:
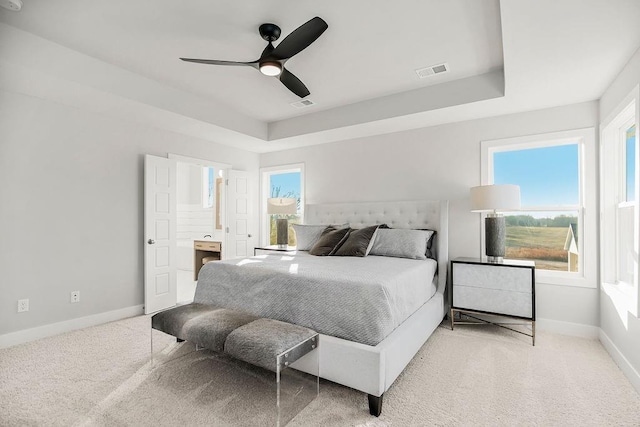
column 420, row 214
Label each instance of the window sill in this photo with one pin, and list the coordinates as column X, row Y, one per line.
column 564, row 279
column 623, row 295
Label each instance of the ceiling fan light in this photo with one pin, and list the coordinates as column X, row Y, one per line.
column 271, row 68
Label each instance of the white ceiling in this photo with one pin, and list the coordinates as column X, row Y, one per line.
column 504, row 56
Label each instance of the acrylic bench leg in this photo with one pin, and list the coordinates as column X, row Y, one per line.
column 375, row 405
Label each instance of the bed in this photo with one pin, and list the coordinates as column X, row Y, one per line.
column 373, row 313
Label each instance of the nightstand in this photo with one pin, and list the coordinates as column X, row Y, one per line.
column 505, row 289
column 274, row 248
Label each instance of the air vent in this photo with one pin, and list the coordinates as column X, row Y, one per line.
column 303, row 104
column 12, row 5
column 432, row 70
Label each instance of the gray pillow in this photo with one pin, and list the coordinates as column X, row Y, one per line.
column 330, row 240
column 401, row 243
column 308, row 235
column 358, row 243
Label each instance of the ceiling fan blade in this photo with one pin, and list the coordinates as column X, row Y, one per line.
column 253, row 64
column 300, row 38
column 267, row 51
column 293, row 83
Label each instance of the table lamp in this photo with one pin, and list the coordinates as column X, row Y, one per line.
column 282, row 206
column 492, row 199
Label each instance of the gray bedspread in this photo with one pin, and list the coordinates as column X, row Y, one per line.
column 357, row 299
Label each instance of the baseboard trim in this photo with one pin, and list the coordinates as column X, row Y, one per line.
column 568, row 328
column 26, row 335
column 629, row 371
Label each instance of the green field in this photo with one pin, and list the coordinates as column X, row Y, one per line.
column 544, row 245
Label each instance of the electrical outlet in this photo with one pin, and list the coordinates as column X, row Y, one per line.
column 75, row 296
column 23, row 305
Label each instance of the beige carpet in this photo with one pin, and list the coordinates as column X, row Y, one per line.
column 470, row 376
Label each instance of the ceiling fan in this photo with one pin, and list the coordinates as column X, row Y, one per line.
column 271, row 62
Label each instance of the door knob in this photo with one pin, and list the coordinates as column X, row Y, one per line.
column 151, row 241
column 248, row 235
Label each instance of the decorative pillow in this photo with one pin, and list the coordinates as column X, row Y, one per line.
column 358, row 243
column 330, row 240
column 401, row 243
column 308, row 235
column 430, row 253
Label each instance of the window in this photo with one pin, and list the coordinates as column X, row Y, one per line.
column 282, row 181
column 625, row 227
column 208, row 179
column 552, row 228
column 619, row 160
column 630, row 162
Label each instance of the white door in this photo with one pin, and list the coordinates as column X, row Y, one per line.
column 241, row 239
column 160, row 280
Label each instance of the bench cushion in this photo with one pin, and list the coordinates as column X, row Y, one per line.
column 172, row 321
column 201, row 324
column 260, row 341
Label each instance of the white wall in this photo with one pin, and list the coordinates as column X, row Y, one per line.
column 619, row 325
column 189, row 184
column 440, row 162
column 71, row 207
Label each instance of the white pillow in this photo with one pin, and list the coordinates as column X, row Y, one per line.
column 401, row 243
column 308, row 235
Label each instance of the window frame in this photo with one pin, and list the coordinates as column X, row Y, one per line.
column 585, row 139
column 265, row 193
column 626, row 296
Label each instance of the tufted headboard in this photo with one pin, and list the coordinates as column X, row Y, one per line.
column 420, row 214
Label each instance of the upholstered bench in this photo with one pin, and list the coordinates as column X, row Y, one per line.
column 267, row 343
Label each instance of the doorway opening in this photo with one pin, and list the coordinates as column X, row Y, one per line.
column 200, row 217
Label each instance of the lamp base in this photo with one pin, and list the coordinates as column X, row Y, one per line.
column 494, row 237
column 282, row 232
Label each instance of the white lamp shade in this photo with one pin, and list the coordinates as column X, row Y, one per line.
column 282, row 206
column 486, row 198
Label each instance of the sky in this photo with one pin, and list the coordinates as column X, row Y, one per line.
column 630, row 166
column 288, row 182
column 546, row 176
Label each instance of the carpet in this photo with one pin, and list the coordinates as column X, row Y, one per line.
column 102, row 376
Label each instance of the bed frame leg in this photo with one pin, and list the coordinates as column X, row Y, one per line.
column 375, row 405
column 179, row 340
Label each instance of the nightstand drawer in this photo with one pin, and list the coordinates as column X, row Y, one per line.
column 206, row 246
column 496, row 277
column 494, row 300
